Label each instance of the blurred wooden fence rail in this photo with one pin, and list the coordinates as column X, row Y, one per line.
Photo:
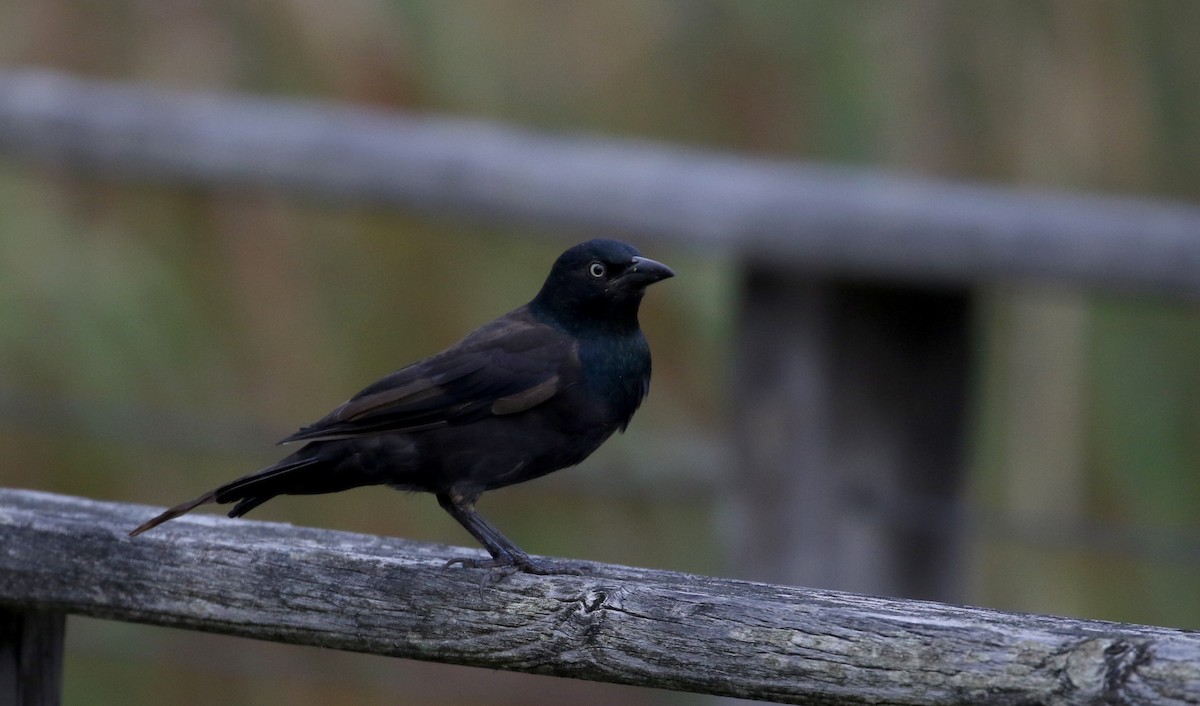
column 856, row 303
column 823, row 219
column 61, row 555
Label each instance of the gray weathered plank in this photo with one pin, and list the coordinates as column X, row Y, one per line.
column 619, row 624
column 31, row 657
column 828, row 219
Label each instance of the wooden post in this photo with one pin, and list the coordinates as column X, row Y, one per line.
column 849, row 406
column 31, row 657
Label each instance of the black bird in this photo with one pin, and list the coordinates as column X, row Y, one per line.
column 533, row 391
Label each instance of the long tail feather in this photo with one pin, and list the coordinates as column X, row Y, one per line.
column 182, row 508
column 248, row 492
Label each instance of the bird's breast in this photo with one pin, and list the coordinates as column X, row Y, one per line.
column 616, row 374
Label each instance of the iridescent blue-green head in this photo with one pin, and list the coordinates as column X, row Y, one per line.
column 597, row 285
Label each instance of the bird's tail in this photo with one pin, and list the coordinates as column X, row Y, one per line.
column 175, row 512
column 249, row 492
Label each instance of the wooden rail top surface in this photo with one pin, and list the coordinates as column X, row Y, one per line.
column 635, row 626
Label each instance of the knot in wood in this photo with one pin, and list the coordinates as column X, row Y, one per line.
column 1100, row 668
column 597, row 599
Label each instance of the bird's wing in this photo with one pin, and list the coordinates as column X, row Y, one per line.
column 505, row 367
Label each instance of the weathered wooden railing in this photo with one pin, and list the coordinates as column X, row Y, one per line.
column 856, row 304
column 72, row 556
column 822, row 219
column 855, row 314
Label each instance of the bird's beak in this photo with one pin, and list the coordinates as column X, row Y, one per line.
column 646, row 271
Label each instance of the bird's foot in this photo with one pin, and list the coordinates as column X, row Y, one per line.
column 506, row 565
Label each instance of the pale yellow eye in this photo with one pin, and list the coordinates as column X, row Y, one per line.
column 596, row 269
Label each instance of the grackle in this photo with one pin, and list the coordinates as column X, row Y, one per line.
column 533, row 391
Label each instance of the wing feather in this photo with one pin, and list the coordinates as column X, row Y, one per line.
column 508, row 366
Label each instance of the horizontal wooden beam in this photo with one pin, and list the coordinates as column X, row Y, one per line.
column 617, row 624
column 835, row 220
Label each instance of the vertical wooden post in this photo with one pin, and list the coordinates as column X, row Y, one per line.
column 849, row 401
column 31, row 657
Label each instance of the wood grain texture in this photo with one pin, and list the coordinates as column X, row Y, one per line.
column 618, row 624
column 836, row 220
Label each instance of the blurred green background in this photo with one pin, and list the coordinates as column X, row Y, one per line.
column 154, row 341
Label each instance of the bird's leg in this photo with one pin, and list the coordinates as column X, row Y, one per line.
column 507, row 558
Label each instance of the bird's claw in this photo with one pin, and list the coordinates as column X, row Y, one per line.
column 514, row 563
column 504, row 566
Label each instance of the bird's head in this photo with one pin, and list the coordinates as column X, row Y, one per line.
column 597, row 283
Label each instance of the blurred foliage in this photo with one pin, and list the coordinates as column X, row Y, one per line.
column 154, row 341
